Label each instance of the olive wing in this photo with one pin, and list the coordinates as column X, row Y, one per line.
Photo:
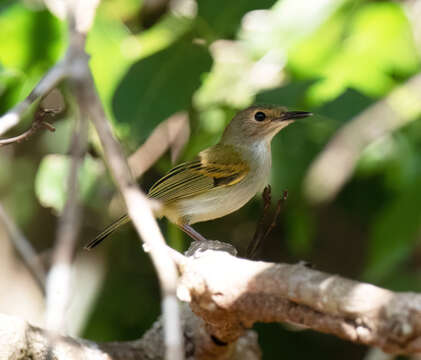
column 209, row 171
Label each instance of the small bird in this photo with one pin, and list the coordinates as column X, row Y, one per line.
column 222, row 178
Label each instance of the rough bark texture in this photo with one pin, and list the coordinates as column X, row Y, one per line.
column 231, row 294
column 228, row 295
column 21, row 341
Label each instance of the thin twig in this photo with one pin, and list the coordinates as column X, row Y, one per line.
column 278, row 209
column 58, row 281
column 25, row 249
column 37, row 124
column 53, row 77
column 262, row 230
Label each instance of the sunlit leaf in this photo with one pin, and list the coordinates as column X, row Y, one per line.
column 31, row 41
column 105, row 38
column 51, row 180
column 354, row 49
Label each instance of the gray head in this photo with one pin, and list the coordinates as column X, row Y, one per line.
column 259, row 123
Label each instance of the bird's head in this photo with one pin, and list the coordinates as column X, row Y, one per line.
column 260, row 123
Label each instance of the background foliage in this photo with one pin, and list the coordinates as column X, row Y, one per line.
column 210, row 58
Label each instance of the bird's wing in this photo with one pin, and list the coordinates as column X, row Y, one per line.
column 212, row 169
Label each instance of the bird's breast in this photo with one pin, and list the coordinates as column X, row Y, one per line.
column 224, row 200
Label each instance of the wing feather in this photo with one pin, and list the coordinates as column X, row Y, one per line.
column 211, row 170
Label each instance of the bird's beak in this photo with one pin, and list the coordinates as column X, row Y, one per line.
column 292, row 115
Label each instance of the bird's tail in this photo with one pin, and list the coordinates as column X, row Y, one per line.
column 108, row 230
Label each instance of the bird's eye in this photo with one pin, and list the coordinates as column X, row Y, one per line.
column 259, row 116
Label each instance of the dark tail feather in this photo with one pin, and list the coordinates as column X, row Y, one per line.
column 108, row 230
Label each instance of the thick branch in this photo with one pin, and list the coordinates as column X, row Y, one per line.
column 230, row 301
column 20, row 341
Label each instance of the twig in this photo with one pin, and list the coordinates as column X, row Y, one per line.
column 25, row 249
column 38, row 123
column 53, row 77
column 262, row 231
column 58, row 281
column 275, row 216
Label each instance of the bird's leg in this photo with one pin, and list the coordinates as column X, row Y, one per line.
column 192, row 232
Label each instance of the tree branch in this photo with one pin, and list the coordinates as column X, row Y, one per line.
column 227, row 303
column 139, row 210
column 138, row 207
column 20, row 341
column 230, row 301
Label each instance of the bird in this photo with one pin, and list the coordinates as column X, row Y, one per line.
column 223, row 177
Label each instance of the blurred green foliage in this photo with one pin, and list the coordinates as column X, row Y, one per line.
column 30, row 43
column 373, row 42
column 51, row 180
column 157, row 79
column 211, row 58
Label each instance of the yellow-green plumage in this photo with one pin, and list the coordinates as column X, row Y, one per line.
column 209, row 171
column 223, row 177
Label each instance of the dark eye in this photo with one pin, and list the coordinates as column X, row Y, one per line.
column 259, row 116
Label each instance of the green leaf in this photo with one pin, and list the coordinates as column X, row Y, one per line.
column 347, row 105
column 224, row 17
column 158, row 86
column 394, row 233
column 51, row 180
column 338, row 52
column 30, row 41
column 107, row 37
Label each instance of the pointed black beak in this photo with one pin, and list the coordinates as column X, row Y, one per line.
column 292, row 115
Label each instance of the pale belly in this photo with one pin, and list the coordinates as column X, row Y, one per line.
column 218, row 202
column 222, row 201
